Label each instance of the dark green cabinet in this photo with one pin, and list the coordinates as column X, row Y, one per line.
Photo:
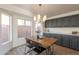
column 78, row 44
column 66, row 40
column 69, row 21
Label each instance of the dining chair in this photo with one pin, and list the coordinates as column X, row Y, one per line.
column 33, row 46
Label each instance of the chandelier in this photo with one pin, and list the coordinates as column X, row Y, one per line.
column 39, row 17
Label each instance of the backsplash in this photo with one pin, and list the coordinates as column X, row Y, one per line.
column 62, row 30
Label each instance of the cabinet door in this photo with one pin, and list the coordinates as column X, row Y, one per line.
column 60, row 39
column 64, row 23
column 59, row 42
column 59, row 22
column 77, row 44
column 77, row 21
column 74, row 21
column 50, row 24
column 47, row 24
column 66, row 41
column 74, row 43
column 45, row 34
column 53, row 24
column 71, row 43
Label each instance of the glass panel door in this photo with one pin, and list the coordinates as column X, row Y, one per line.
column 20, row 28
column 5, row 28
column 28, row 26
column 24, row 28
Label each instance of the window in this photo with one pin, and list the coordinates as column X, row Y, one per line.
column 28, row 28
column 5, row 19
column 28, row 23
column 5, row 28
column 20, row 22
column 20, row 28
column 24, row 28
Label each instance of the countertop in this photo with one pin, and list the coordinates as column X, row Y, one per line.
column 63, row 33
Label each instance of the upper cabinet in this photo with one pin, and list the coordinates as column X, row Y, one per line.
column 69, row 21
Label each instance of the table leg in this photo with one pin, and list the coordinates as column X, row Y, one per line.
column 52, row 50
column 47, row 51
column 25, row 48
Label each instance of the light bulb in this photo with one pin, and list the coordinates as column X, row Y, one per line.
column 44, row 18
column 38, row 17
column 34, row 18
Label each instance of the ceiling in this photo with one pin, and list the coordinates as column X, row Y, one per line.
column 49, row 9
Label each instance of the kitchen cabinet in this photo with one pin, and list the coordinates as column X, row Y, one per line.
column 68, row 41
column 68, row 21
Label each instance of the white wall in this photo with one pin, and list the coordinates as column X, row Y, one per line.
column 64, row 15
column 64, row 30
column 16, row 9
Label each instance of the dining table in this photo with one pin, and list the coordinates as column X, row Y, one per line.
column 47, row 43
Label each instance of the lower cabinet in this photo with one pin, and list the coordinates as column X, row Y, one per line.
column 78, row 44
column 60, row 41
column 71, row 42
column 74, row 42
column 66, row 40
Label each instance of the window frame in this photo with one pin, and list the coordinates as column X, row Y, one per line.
column 10, row 24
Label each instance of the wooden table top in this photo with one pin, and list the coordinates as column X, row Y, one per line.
column 46, row 42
